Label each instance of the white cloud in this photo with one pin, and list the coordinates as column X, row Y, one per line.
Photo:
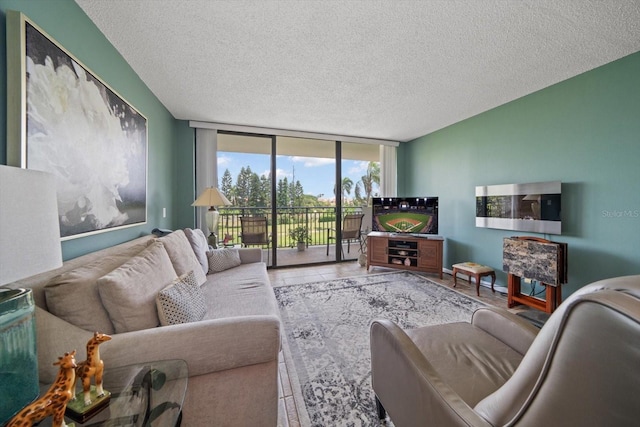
column 224, row 160
column 358, row 167
column 280, row 173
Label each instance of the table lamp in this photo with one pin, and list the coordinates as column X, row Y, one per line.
column 29, row 244
column 212, row 197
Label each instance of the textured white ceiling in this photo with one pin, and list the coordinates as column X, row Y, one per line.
column 377, row 69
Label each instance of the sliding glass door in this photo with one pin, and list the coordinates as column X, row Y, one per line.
column 244, row 176
column 301, row 200
column 360, row 179
column 305, row 204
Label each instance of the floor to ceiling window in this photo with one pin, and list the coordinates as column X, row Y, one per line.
column 301, row 200
column 305, row 204
column 244, row 176
column 360, row 181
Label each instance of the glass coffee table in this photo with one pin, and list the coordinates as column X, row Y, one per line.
column 144, row 394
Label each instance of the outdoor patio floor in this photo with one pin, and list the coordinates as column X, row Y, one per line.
column 311, row 255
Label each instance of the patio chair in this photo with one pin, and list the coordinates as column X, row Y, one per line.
column 254, row 231
column 351, row 230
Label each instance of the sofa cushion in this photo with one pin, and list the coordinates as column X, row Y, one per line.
column 181, row 302
column 241, row 291
column 181, row 255
column 200, row 246
column 222, row 259
column 74, row 297
column 129, row 292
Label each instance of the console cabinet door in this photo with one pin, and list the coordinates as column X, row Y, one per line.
column 430, row 255
column 377, row 249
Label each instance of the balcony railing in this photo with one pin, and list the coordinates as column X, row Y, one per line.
column 317, row 219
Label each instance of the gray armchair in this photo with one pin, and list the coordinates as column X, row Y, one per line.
column 581, row 369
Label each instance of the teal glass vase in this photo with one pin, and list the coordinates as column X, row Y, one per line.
column 18, row 357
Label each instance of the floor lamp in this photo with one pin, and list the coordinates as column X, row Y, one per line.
column 212, row 197
column 29, row 244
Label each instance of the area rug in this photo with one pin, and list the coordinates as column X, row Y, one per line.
column 327, row 335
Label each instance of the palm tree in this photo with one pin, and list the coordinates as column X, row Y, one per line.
column 358, row 193
column 371, row 177
column 347, row 186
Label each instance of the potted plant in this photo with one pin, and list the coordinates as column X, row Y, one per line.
column 300, row 235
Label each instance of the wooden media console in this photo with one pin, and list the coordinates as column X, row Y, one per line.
column 405, row 252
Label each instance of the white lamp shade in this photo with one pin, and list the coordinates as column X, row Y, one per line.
column 29, row 226
column 211, row 196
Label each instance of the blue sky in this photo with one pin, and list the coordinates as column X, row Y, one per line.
column 315, row 174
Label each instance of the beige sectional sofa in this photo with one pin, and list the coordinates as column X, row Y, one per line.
column 232, row 353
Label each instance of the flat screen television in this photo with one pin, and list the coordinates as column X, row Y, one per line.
column 411, row 215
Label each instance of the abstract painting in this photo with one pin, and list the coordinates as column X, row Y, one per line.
column 80, row 130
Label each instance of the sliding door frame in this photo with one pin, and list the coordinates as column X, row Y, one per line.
column 274, row 207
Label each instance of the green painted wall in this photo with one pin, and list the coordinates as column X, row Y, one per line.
column 584, row 131
column 65, row 21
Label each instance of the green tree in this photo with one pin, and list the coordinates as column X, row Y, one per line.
column 243, row 186
column 347, row 186
column 256, row 199
column 282, row 193
column 265, row 189
column 369, row 179
column 296, row 194
column 310, row 200
column 227, row 186
column 358, row 193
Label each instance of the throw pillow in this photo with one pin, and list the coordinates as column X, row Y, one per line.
column 74, row 297
column 181, row 255
column 200, row 246
column 129, row 292
column 181, row 302
column 223, row 259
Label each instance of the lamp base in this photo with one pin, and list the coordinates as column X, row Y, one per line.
column 213, row 240
column 212, row 225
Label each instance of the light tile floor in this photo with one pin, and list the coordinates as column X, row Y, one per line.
column 288, row 414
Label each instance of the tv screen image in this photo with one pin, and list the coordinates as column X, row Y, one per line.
column 413, row 215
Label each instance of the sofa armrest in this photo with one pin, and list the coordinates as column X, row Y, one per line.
column 250, row 255
column 408, row 386
column 207, row 346
column 512, row 330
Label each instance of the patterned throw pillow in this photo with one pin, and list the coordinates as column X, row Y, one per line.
column 181, row 302
column 222, row 259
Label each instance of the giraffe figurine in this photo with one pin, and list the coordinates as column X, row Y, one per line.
column 54, row 401
column 92, row 367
